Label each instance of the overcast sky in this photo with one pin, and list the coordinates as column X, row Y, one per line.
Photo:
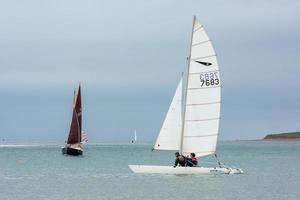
column 129, row 56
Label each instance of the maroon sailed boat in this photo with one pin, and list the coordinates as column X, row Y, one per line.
column 73, row 146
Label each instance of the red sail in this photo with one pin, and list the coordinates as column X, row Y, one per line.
column 74, row 134
column 77, row 108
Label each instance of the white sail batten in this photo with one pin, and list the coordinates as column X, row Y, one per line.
column 170, row 133
column 203, row 98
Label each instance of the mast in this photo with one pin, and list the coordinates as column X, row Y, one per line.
column 185, row 88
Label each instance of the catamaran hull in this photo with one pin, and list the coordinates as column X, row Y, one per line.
column 153, row 169
column 71, row 151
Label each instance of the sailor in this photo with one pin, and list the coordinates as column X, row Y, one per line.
column 180, row 159
column 194, row 159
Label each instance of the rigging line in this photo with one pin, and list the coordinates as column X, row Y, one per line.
column 184, row 89
column 200, row 43
column 219, row 163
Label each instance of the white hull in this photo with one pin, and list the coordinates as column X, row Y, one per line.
column 155, row 169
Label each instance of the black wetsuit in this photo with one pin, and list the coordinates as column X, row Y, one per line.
column 181, row 160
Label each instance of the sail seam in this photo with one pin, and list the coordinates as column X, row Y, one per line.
column 199, row 120
column 198, row 28
column 193, row 59
column 202, row 135
column 205, row 72
column 200, row 43
column 199, row 88
column 200, row 104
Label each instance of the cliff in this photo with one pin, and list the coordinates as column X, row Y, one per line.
column 283, row 136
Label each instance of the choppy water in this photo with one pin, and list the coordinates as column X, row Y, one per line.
column 272, row 171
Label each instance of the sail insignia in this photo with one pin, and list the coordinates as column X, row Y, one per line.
column 204, row 63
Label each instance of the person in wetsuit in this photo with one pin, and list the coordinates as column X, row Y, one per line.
column 192, row 161
column 180, row 159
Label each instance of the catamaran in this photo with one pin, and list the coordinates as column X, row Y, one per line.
column 73, row 145
column 192, row 121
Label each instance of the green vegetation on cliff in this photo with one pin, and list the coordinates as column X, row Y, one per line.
column 283, row 136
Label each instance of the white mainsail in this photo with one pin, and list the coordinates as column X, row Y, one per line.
column 203, row 96
column 193, row 125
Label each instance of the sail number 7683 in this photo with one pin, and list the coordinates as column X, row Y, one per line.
column 209, row 79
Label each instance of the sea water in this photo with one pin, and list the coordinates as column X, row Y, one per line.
column 271, row 172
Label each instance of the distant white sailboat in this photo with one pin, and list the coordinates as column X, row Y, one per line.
column 192, row 121
column 135, row 137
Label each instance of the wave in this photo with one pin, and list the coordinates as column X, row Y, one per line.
column 13, row 145
column 26, row 145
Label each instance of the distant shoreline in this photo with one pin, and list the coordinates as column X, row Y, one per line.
column 269, row 140
column 283, row 136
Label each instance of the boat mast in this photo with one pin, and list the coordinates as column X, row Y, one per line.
column 185, row 88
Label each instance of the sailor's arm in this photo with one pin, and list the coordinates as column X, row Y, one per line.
column 176, row 162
